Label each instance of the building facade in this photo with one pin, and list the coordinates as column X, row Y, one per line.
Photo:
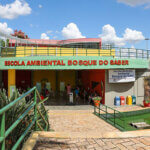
column 107, row 70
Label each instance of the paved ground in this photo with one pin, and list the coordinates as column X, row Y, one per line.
column 140, row 143
column 81, row 120
column 78, row 121
column 70, row 107
column 90, row 107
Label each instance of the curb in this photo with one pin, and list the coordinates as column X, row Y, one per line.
column 30, row 143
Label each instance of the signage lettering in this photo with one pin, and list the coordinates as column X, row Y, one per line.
column 69, row 63
column 118, row 76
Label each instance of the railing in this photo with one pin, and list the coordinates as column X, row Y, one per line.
column 61, row 51
column 54, row 51
column 33, row 107
column 111, row 115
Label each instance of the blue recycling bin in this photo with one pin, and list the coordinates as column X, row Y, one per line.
column 133, row 99
column 117, row 101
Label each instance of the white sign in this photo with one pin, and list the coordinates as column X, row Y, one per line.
column 118, row 76
column 38, row 86
column 48, row 86
column 71, row 97
column 62, row 86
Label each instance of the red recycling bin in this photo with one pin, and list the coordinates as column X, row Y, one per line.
column 122, row 100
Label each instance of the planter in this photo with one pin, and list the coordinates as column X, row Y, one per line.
column 97, row 103
column 97, row 100
column 146, row 104
column 42, row 97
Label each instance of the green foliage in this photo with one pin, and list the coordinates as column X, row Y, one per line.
column 14, row 113
column 97, row 98
column 2, row 43
column 147, row 89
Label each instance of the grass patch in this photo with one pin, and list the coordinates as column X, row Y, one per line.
column 123, row 121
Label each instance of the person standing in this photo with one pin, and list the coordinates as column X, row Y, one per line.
column 68, row 89
column 77, row 95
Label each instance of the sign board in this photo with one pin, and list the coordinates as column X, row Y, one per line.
column 12, row 90
column 62, row 86
column 48, row 86
column 120, row 76
column 38, row 86
column 70, row 62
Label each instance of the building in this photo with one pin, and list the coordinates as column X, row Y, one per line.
column 79, row 62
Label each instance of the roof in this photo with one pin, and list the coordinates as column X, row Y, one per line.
column 57, row 42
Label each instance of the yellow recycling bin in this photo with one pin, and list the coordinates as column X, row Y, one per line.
column 129, row 100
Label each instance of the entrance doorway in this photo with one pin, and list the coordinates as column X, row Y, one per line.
column 89, row 82
column 56, row 81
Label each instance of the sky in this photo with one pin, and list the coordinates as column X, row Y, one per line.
column 125, row 23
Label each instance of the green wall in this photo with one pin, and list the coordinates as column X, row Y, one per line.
column 133, row 63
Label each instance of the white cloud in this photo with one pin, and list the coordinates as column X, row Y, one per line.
column 49, row 32
column 109, row 36
column 55, row 37
column 44, row 36
column 71, row 31
column 135, row 2
column 5, row 29
column 133, row 36
column 15, row 9
column 40, row 6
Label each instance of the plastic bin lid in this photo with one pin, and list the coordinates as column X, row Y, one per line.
column 133, row 96
column 129, row 96
column 117, row 97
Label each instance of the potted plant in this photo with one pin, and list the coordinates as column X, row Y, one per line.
column 146, row 101
column 97, row 100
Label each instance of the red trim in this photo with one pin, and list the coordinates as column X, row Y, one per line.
column 42, row 42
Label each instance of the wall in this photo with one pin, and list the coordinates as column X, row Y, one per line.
column 23, row 78
column 5, row 78
column 67, row 76
column 80, row 62
column 50, row 75
column 1, row 76
column 87, row 76
column 124, row 89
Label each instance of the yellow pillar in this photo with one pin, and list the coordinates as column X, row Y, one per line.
column 11, row 81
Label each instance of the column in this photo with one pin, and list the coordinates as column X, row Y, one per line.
column 1, row 74
column 57, row 83
column 11, row 81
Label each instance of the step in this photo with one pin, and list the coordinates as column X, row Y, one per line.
column 30, row 143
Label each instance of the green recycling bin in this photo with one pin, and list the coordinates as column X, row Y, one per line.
column 133, row 99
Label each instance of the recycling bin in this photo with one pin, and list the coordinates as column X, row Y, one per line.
column 117, row 101
column 71, row 97
column 129, row 100
column 133, row 99
column 122, row 100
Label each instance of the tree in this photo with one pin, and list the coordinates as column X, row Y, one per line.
column 20, row 34
column 4, row 43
